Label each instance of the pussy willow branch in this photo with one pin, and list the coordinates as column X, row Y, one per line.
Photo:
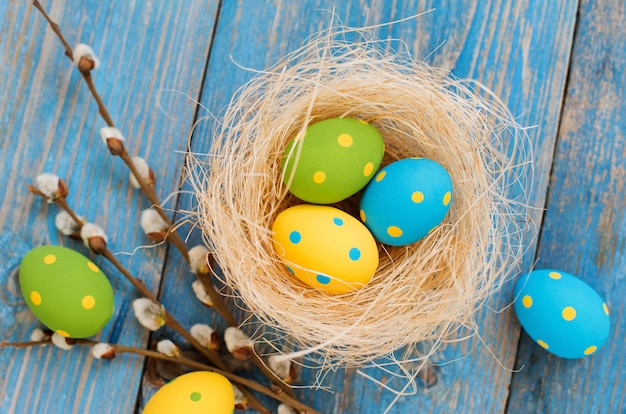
column 122, row 349
column 172, row 236
column 170, row 321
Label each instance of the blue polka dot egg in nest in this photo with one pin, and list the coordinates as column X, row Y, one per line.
column 358, row 201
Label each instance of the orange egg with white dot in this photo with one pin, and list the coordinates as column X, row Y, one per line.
column 562, row 313
column 198, row 392
column 66, row 291
column 332, row 160
column 325, row 248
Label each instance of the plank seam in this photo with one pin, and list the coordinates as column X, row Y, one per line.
column 564, row 97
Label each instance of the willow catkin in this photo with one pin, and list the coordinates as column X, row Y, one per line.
column 421, row 292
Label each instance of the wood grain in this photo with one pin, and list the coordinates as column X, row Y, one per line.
column 48, row 122
column 519, row 49
column 584, row 230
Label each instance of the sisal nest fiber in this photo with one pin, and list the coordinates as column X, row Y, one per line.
column 425, row 291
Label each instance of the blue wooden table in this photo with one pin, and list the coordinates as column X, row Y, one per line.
column 559, row 66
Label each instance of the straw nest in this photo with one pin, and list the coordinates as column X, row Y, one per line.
column 426, row 291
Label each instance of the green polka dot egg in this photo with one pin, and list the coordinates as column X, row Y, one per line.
column 560, row 312
column 325, row 248
column 333, row 160
column 66, row 291
column 194, row 393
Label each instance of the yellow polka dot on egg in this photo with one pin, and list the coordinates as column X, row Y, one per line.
column 380, row 176
column 319, row 177
column 527, row 301
column 590, row 350
column 35, row 297
column 363, row 122
column 368, row 169
column 63, row 333
column 543, row 344
column 49, row 259
column 446, row 198
column 394, row 231
column 606, row 309
column 568, row 313
column 88, row 302
column 554, row 275
column 432, row 230
column 417, row 197
column 92, row 267
column 362, row 214
column 345, row 140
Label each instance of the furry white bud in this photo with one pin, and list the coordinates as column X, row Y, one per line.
column 84, row 51
column 286, row 409
column 281, row 367
column 111, row 132
column 151, row 222
column 65, row 223
column 205, row 335
column 200, row 292
column 149, row 314
column 238, row 343
column 37, row 335
column 89, row 232
column 143, row 169
column 199, row 259
column 102, row 350
column 48, row 184
column 60, row 342
column 168, row 348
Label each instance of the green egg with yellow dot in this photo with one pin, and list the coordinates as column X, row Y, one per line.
column 66, row 291
column 332, row 160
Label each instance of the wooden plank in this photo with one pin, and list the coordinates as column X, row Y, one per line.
column 520, row 49
column 48, row 122
column 584, row 229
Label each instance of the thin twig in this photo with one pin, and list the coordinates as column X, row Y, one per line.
column 170, row 321
column 121, row 349
column 172, row 236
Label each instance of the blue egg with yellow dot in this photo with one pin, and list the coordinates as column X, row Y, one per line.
column 406, row 200
column 561, row 313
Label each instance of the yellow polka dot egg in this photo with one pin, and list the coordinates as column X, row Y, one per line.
column 194, row 393
column 560, row 312
column 325, row 248
column 406, row 200
column 333, row 160
column 66, row 291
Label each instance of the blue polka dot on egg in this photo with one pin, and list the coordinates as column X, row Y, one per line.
column 323, row 279
column 295, row 237
column 338, row 221
column 354, row 253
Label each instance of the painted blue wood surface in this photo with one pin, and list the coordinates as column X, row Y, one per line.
column 519, row 48
column 584, row 229
column 48, row 122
